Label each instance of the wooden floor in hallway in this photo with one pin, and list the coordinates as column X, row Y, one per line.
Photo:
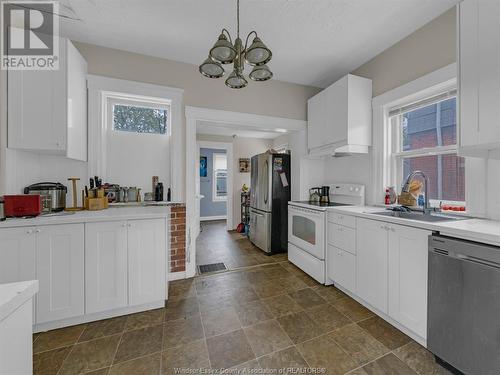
column 215, row 244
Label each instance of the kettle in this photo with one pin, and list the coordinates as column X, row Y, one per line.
column 314, row 194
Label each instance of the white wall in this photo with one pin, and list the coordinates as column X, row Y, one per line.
column 242, row 148
column 132, row 159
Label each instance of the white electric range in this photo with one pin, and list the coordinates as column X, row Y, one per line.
column 307, row 223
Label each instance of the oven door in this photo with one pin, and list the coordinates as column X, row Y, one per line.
column 306, row 230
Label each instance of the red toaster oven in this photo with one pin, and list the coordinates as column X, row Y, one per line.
column 22, row 205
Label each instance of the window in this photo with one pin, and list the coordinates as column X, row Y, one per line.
column 139, row 119
column 424, row 137
column 220, row 177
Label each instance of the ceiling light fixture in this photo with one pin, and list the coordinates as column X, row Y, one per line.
column 225, row 52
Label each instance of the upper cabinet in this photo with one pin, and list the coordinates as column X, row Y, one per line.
column 479, row 76
column 47, row 110
column 339, row 117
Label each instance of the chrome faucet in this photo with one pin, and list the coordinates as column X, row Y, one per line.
column 406, row 189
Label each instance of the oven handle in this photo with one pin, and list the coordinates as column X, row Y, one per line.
column 305, row 210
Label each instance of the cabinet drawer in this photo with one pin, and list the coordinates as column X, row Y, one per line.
column 341, row 219
column 341, row 268
column 342, row 237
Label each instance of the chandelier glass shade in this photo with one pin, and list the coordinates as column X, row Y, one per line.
column 224, row 51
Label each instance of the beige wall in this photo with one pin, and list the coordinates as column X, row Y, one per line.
column 429, row 48
column 272, row 98
column 242, row 148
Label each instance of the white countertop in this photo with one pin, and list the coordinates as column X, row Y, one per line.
column 13, row 295
column 110, row 214
column 480, row 230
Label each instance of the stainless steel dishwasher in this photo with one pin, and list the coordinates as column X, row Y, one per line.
column 464, row 304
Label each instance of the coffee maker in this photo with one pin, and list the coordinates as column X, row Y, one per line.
column 324, row 196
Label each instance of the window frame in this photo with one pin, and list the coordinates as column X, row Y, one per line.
column 130, row 101
column 396, row 155
column 215, row 197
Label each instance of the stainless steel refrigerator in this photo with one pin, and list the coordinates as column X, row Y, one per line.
column 269, row 196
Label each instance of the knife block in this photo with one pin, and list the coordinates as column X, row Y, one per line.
column 96, row 204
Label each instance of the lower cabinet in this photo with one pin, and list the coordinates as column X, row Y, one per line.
column 17, row 254
column 146, row 261
column 371, row 262
column 105, row 266
column 125, row 263
column 59, row 270
column 408, row 277
column 341, row 268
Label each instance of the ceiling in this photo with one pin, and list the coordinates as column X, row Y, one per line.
column 213, row 128
column 314, row 42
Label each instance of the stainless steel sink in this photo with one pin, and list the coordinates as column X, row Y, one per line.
column 431, row 218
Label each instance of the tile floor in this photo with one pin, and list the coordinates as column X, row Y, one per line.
column 215, row 244
column 270, row 316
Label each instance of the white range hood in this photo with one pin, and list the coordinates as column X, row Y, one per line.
column 339, row 118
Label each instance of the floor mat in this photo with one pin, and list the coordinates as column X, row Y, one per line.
column 213, row 267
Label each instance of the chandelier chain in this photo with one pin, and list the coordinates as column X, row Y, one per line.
column 238, row 17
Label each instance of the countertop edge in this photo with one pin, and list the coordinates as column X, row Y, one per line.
column 485, row 231
column 13, row 295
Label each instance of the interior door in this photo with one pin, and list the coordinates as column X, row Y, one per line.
column 198, row 197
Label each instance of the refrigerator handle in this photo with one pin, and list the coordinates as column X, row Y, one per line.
column 266, row 197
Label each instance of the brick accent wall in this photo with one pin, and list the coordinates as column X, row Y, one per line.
column 177, row 238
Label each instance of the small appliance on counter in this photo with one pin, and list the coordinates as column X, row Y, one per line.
column 325, row 194
column 2, row 211
column 22, row 205
column 53, row 195
column 314, row 194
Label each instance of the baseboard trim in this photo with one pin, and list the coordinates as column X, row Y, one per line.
column 41, row 327
column 176, row 275
column 210, row 218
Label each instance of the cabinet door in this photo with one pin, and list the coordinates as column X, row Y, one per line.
column 341, row 268
column 60, row 257
column 408, row 277
column 336, row 107
column 37, row 108
column 146, row 261
column 371, row 262
column 17, row 254
column 468, row 71
column 77, row 104
column 105, row 266
column 488, row 61
column 316, row 120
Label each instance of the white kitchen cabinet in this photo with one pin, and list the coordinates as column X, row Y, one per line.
column 47, row 110
column 371, row 262
column 59, row 269
column 17, row 254
column 341, row 268
column 147, row 260
column 408, row 277
column 479, row 76
column 339, row 117
column 106, row 260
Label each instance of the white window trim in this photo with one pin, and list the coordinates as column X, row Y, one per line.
column 383, row 167
column 215, row 198
column 99, row 88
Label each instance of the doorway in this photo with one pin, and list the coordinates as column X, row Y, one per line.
column 246, row 135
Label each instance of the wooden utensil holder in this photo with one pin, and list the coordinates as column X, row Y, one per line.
column 96, row 204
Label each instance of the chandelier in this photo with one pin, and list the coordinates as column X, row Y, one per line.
column 225, row 52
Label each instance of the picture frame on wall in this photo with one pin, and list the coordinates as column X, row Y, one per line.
column 244, row 164
column 203, row 166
